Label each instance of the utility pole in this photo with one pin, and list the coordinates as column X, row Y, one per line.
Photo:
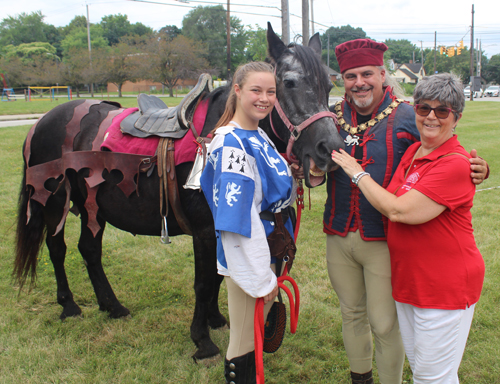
column 90, row 52
column 285, row 22
column 228, row 32
column 479, row 61
column 472, row 54
column 422, row 53
column 312, row 18
column 305, row 22
column 328, row 52
column 435, row 49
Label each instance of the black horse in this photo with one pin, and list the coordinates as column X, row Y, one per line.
column 303, row 86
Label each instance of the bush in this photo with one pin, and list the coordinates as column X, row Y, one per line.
column 408, row 88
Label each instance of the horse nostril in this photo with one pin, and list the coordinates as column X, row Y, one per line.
column 323, row 151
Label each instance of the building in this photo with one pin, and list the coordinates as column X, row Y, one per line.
column 410, row 73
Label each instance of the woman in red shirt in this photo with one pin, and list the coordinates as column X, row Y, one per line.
column 437, row 270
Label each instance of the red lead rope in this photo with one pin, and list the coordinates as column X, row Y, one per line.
column 259, row 321
column 300, row 207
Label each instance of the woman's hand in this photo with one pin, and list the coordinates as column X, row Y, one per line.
column 297, row 171
column 348, row 163
column 272, row 295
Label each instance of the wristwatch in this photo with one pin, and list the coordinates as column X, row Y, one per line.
column 355, row 179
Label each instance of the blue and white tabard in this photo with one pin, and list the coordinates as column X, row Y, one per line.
column 245, row 175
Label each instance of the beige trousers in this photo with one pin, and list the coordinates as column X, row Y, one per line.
column 241, row 309
column 360, row 273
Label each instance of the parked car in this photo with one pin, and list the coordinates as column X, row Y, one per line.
column 492, row 90
column 476, row 93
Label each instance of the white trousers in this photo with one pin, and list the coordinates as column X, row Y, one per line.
column 434, row 341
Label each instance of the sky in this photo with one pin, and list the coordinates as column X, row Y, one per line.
column 416, row 21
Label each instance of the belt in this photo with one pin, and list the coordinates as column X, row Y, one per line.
column 269, row 216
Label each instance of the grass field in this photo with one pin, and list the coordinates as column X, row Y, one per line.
column 155, row 282
column 21, row 107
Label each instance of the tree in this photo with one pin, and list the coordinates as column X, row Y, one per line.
column 458, row 64
column 339, row 35
column 75, row 69
column 31, row 64
column 117, row 64
column 170, row 31
column 208, row 25
column 25, row 28
column 257, row 44
column 78, row 38
column 79, row 22
column 168, row 61
column 491, row 71
column 117, row 26
column 401, row 51
column 26, row 52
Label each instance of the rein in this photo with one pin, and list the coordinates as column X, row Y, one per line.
column 259, row 321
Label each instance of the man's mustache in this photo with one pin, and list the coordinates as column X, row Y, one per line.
column 361, row 89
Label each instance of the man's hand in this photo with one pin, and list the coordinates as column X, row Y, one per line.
column 479, row 168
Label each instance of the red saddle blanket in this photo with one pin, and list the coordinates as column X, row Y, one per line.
column 185, row 148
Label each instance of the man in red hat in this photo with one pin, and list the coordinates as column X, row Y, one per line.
column 377, row 127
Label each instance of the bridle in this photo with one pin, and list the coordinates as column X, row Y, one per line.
column 295, row 130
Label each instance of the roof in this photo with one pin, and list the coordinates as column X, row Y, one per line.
column 408, row 73
column 333, row 72
column 414, row 67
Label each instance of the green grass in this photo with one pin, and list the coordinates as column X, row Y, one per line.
column 155, row 282
column 21, row 107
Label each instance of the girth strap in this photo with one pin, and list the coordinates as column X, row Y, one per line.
column 169, row 189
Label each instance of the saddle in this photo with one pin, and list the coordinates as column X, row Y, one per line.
column 154, row 118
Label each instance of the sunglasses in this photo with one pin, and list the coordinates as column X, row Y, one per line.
column 439, row 112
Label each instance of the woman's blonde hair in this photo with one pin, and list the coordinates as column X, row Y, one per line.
column 240, row 76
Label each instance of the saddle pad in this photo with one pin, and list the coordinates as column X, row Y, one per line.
column 116, row 141
column 185, row 148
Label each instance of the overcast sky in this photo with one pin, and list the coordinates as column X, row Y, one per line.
column 397, row 19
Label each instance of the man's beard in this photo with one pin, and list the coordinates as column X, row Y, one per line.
column 362, row 102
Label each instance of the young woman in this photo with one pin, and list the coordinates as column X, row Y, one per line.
column 245, row 177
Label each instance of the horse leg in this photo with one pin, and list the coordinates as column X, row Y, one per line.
column 206, row 287
column 215, row 318
column 52, row 213
column 90, row 248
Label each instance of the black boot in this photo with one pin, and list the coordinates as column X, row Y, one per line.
column 362, row 378
column 241, row 369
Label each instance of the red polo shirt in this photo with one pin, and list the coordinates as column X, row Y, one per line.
column 436, row 264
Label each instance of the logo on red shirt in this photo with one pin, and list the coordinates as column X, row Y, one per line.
column 411, row 181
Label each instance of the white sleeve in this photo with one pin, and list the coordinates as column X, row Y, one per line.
column 249, row 260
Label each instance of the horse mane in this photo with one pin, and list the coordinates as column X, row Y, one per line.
column 313, row 67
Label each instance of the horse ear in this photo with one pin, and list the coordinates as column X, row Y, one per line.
column 275, row 47
column 315, row 44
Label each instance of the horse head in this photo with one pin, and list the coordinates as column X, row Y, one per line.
column 301, row 116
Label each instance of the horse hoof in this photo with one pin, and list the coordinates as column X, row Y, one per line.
column 206, row 350
column 209, row 361
column 118, row 312
column 70, row 311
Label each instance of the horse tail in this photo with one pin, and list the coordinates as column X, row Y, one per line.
column 29, row 236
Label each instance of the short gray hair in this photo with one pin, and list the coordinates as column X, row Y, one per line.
column 446, row 88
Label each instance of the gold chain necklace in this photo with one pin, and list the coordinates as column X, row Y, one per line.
column 362, row 127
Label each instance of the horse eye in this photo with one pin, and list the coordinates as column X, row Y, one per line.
column 289, row 83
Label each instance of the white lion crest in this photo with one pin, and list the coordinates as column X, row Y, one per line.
column 231, row 190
